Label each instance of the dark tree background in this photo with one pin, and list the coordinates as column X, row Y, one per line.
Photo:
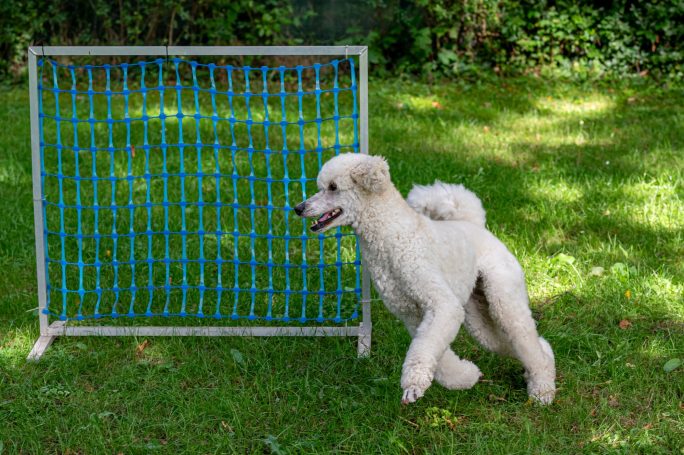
column 410, row 36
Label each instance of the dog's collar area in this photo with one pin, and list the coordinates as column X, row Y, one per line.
column 326, row 219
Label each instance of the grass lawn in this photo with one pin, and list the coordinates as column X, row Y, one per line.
column 583, row 182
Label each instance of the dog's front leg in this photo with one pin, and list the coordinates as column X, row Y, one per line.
column 438, row 328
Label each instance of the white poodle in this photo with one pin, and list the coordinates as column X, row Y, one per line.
column 436, row 266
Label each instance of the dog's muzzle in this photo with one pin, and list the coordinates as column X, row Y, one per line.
column 299, row 208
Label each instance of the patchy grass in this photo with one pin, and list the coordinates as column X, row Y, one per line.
column 583, row 182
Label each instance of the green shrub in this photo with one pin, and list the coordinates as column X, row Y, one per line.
column 141, row 22
column 445, row 37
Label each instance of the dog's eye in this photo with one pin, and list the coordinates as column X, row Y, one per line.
column 332, row 186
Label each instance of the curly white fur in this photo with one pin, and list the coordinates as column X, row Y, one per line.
column 435, row 273
column 447, row 202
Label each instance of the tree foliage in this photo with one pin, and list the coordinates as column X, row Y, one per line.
column 450, row 37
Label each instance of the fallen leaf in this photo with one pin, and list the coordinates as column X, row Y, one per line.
column 437, row 105
column 648, row 426
column 672, row 364
column 631, row 100
column 597, row 271
column 628, row 294
column 133, row 151
column 237, row 356
column 625, row 324
column 613, row 401
column 485, row 129
column 141, row 347
column 628, row 422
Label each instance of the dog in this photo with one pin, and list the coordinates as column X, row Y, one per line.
column 436, row 266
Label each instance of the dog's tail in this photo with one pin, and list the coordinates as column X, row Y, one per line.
column 443, row 201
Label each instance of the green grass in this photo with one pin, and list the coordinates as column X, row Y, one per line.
column 582, row 182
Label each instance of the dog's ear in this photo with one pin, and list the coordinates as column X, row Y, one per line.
column 372, row 174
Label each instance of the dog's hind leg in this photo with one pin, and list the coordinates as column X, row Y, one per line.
column 508, row 304
column 480, row 325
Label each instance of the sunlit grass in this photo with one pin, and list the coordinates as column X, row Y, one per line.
column 591, row 104
column 560, row 192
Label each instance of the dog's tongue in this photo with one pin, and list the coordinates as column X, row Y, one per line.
column 324, row 217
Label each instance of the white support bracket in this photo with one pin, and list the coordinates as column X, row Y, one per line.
column 365, row 331
column 43, row 342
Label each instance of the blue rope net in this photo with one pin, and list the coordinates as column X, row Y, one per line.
column 169, row 187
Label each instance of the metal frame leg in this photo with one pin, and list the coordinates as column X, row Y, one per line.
column 365, row 331
column 366, row 326
column 43, row 342
column 45, row 339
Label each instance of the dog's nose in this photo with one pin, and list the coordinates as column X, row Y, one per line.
column 299, row 209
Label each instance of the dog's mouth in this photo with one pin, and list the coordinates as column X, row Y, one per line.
column 325, row 220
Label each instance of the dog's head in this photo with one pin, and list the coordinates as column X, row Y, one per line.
column 344, row 183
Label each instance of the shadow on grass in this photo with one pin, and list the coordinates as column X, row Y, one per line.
column 623, row 145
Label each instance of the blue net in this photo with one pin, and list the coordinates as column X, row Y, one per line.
column 169, row 187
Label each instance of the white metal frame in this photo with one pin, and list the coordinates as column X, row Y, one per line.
column 48, row 332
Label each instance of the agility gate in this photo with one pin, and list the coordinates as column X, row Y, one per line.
column 164, row 181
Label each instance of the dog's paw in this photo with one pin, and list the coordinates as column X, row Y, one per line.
column 542, row 392
column 415, row 381
column 457, row 374
column 411, row 395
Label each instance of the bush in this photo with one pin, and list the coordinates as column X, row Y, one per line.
column 141, row 22
column 510, row 36
column 445, row 37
